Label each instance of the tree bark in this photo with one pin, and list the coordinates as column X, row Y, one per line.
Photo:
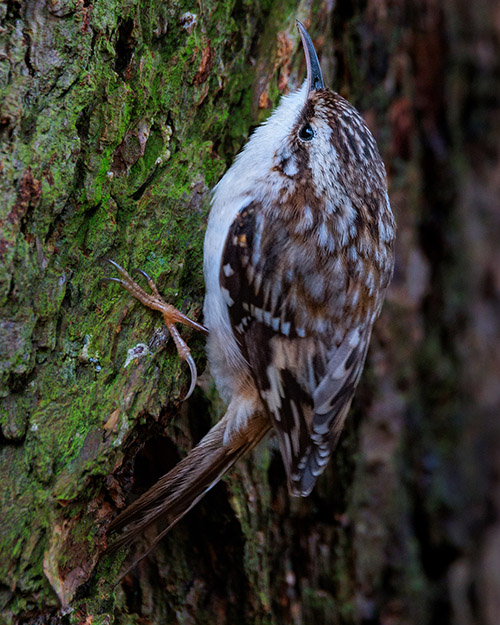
column 116, row 119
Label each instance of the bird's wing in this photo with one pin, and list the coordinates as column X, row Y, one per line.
column 305, row 368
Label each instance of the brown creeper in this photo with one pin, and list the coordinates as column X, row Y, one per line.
column 298, row 255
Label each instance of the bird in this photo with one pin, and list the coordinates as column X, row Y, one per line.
column 298, row 254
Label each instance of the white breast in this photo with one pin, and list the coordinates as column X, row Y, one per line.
column 243, row 183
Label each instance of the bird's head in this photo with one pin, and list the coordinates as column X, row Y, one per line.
column 314, row 142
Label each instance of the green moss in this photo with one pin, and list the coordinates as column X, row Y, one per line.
column 107, row 192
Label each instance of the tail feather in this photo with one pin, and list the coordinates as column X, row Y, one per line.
column 179, row 490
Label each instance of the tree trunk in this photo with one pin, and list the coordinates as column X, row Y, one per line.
column 116, row 119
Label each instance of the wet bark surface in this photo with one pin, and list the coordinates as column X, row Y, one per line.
column 115, row 121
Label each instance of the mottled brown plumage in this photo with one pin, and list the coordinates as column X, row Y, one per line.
column 298, row 255
column 304, row 277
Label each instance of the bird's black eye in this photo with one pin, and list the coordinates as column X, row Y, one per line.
column 306, row 133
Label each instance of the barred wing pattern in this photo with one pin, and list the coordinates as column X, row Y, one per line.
column 304, row 367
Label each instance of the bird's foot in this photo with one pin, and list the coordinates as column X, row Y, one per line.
column 171, row 315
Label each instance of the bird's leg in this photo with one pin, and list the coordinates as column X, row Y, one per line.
column 171, row 315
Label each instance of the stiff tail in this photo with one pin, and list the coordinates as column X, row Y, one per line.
column 179, row 490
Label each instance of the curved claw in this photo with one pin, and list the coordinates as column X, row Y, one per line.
column 115, row 265
column 143, row 273
column 113, row 280
column 194, row 376
column 170, row 315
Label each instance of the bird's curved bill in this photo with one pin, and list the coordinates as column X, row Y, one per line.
column 314, row 75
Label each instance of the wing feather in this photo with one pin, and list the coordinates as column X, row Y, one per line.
column 305, row 379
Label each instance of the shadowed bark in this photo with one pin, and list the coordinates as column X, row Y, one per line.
column 116, row 119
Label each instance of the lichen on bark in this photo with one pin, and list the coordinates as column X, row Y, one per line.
column 117, row 118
